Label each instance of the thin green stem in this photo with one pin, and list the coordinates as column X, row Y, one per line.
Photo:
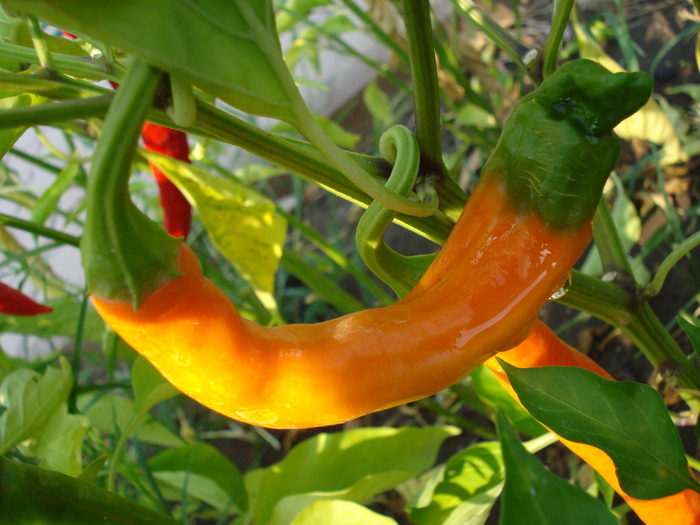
column 426, row 93
column 37, row 229
column 55, row 88
column 556, row 32
column 77, row 356
column 42, row 50
column 54, row 113
column 606, row 301
column 607, row 240
column 65, row 63
column 657, row 283
column 662, row 351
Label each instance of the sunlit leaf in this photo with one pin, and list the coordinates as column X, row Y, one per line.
column 150, row 387
column 339, row 512
column 353, row 465
column 472, row 481
column 243, row 224
column 30, row 400
column 627, row 420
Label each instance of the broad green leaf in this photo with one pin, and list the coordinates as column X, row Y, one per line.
column 377, row 103
column 150, row 387
column 533, row 495
column 59, row 442
column 62, row 321
column 201, row 470
column 473, row 115
column 243, row 224
column 493, row 394
column 300, row 8
column 471, row 483
column 229, row 49
column 93, row 469
column 627, row 420
column 650, row 122
column 30, row 400
column 352, row 465
column 111, row 414
column 46, row 204
column 340, row 512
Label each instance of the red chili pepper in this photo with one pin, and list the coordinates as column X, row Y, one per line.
column 14, row 302
column 177, row 212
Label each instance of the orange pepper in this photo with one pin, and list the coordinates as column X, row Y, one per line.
column 496, row 270
column 543, row 348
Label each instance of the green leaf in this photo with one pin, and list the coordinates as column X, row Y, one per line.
column 243, row 224
column 377, row 103
column 627, row 420
column 150, row 387
column 228, row 49
column 473, row 115
column 111, row 414
column 63, row 321
column 93, row 469
column 30, row 400
column 46, row 204
column 533, row 495
column 493, row 394
column 353, row 465
column 472, row 480
column 691, row 327
column 203, row 471
column 59, row 442
column 340, row 512
column 301, row 8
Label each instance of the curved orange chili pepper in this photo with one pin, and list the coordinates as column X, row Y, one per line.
column 543, row 348
column 496, row 270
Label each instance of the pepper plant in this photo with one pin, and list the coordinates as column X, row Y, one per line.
column 73, row 443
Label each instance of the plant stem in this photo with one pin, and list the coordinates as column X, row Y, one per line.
column 45, row 114
column 66, row 63
column 37, row 229
column 42, row 51
column 426, row 92
column 556, row 32
column 607, row 240
column 606, row 301
column 654, row 287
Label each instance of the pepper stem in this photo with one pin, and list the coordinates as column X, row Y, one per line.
column 125, row 254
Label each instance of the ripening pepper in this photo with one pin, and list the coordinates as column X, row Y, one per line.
column 543, row 348
column 14, row 302
column 526, row 224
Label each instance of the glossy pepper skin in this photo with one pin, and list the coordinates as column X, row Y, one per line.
column 481, row 296
column 14, row 302
column 543, row 348
column 177, row 212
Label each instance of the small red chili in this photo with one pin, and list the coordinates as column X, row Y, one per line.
column 14, row 302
